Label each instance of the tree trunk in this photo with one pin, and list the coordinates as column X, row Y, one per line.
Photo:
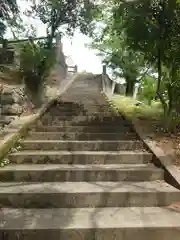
column 170, row 96
column 160, row 45
column 34, row 90
column 163, row 102
column 51, row 35
column 168, row 113
column 130, row 88
column 159, row 72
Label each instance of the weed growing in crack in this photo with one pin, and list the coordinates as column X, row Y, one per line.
column 4, row 162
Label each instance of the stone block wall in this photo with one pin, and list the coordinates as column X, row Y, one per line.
column 12, row 100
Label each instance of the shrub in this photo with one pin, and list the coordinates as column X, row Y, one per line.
column 35, row 64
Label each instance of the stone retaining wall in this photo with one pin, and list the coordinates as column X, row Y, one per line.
column 12, row 100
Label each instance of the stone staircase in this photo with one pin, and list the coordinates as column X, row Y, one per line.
column 83, row 174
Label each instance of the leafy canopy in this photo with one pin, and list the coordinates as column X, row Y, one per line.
column 7, row 9
column 68, row 15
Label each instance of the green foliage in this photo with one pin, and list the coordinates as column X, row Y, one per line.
column 160, row 28
column 35, row 63
column 141, row 37
column 147, row 89
column 149, row 31
column 8, row 8
column 127, row 105
column 37, row 58
column 125, row 62
column 66, row 15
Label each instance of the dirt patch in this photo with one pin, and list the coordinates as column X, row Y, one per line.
column 169, row 142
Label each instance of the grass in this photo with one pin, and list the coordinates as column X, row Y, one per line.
column 153, row 123
column 127, row 105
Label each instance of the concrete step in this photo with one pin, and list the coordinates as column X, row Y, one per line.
column 4, row 121
column 87, row 194
column 6, row 118
column 80, row 136
column 81, row 145
column 90, row 223
column 65, row 123
column 80, row 157
column 81, row 113
column 90, row 129
column 80, row 173
column 81, row 120
column 81, row 109
column 82, row 105
column 70, row 107
column 66, row 103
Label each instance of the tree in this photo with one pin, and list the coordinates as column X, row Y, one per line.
column 125, row 62
column 35, row 64
column 66, row 14
column 8, row 8
column 158, row 39
column 127, row 65
column 147, row 89
column 37, row 58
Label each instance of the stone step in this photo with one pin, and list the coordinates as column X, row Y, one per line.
column 90, row 129
column 82, row 106
column 84, row 194
column 4, row 123
column 64, row 123
column 150, row 223
column 61, row 102
column 83, row 112
column 6, row 119
column 80, row 173
column 80, row 157
column 92, row 109
column 83, row 118
column 81, row 145
column 80, row 136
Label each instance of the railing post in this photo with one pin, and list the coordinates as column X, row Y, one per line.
column 103, row 79
column 104, row 69
column 5, row 43
column 113, row 87
column 75, row 68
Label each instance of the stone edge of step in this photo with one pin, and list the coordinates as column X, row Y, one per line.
column 59, row 153
column 86, row 187
column 80, row 167
column 81, row 219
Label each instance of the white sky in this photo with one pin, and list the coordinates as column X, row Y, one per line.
column 82, row 56
column 85, row 58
